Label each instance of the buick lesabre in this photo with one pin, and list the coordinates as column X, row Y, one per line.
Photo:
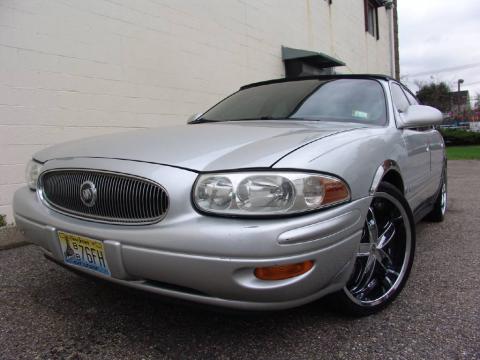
column 284, row 192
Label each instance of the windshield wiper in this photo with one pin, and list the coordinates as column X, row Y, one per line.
column 257, row 118
column 271, row 118
column 202, row 120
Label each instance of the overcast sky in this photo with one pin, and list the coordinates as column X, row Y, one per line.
column 438, row 35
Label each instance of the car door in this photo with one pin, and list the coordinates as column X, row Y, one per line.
column 417, row 170
column 436, row 147
column 437, row 159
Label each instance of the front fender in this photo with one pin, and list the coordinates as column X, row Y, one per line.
column 361, row 157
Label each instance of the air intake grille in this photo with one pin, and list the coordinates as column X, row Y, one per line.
column 104, row 196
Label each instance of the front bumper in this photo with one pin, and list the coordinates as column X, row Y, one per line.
column 207, row 259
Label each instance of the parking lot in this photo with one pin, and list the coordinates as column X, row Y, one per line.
column 47, row 312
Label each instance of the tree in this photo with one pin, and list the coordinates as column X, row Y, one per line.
column 436, row 95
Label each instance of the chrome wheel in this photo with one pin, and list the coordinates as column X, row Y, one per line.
column 383, row 256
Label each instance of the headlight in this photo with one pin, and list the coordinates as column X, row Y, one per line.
column 267, row 193
column 32, row 172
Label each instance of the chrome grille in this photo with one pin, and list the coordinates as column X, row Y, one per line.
column 113, row 197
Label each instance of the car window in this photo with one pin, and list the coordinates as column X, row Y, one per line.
column 277, row 100
column 344, row 100
column 411, row 99
column 399, row 98
column 360, row 100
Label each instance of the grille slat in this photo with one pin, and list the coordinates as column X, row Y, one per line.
column 124, row 198
column 137, row 187
column 143, row 197
column 100, row 197
column 120, row 198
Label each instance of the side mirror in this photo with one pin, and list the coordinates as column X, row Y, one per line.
column 194, row 117
column 420, row 115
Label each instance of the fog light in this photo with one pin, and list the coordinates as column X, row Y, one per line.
column 282, row 272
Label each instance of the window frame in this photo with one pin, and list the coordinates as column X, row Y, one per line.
column 408, row 92
column 369, row 5
column 394, row 83
column 382, row 83
column 397, row 113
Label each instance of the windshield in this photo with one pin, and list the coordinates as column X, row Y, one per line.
column 347, row 100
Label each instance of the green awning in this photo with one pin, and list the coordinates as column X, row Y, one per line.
column 316, row 59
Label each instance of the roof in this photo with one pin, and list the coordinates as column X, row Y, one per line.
column 320, row 77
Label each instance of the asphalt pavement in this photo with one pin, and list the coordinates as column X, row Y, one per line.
column 47, row 312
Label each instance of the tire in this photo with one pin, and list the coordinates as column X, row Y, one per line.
column 384, row 258
column 440, row 207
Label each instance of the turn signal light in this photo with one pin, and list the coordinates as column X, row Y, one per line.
column 335, row 191
column 282, row 272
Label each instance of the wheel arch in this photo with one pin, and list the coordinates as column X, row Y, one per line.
column 388, row 171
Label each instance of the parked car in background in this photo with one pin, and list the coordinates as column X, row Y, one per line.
column 282, row 193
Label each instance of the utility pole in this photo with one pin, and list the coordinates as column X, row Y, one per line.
column 460, row 81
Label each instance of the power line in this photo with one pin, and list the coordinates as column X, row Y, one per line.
column 472, row 83
column 453, row 68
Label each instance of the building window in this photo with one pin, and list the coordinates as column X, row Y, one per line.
column 371, row 18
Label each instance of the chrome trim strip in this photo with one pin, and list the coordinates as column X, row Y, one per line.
column 381, row 171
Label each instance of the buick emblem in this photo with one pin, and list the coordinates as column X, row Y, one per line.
column 88, row 193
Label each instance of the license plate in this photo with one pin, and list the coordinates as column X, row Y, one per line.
column 84, row 252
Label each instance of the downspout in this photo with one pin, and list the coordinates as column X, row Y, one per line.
column 396, row 45
column 390, row 13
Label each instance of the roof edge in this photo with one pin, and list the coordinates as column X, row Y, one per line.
column 319, row 77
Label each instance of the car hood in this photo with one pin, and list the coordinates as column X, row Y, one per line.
column 203, row 147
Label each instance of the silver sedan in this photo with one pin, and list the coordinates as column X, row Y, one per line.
column 284, row 192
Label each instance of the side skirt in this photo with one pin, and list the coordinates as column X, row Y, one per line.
column 424, row 209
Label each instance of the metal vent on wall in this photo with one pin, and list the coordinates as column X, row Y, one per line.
column 300, row 62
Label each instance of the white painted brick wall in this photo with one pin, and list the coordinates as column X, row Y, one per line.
column 71, row 69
